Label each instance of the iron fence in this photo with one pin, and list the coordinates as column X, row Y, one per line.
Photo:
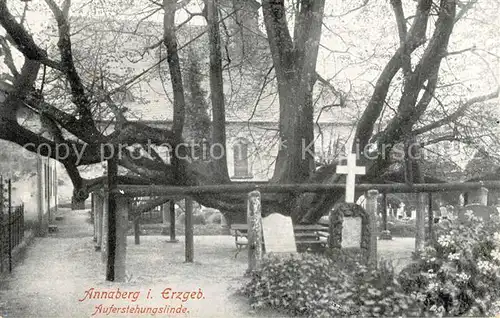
column 11, row 225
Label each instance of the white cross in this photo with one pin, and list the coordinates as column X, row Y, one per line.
column 351, row 170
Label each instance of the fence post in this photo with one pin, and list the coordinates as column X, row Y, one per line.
column 371, row 209
column 254, row 217
column 188, row 231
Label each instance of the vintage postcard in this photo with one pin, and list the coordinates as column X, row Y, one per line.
column 249, row 158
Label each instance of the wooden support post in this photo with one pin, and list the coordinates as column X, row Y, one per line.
column 10, row 222
column 430, row 216
column 254, row 217
column 171, row 206
column 189, row 233
column 164, row 219
column 104, row 225
column 384, row 211
column 137, row 230
column 385, row 234
column 122, row 208
column 93, row 211
column 112, row 213
column 371, row 209
column 2, row 234
column 420, row 222
column 99, row 208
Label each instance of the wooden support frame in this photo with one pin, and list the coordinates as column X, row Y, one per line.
column 189, row 232
column 430, row 217
column 159, row 190
column 171, row 206
column 112, row 175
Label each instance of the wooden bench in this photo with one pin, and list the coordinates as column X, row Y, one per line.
column 311, row 237
column 53, row 228
column 240, row 233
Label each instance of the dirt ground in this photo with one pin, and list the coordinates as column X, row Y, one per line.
column 60, row 276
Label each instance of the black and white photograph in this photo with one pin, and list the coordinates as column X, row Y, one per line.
column 249, row 158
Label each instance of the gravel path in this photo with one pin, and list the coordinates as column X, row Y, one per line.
column 60, row 270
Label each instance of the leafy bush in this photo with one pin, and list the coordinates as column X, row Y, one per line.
column 198, row 218
column 30, row 224
column 317, row 286
column 214, row 218
column 403, row 230
column 400, row 228
column 458, row 272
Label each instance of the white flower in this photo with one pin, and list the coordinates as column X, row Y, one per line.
column 445, row 240
column 421, row 296
column 496, row 255
column 463, row 277
column 432, row 287
column 485, row 267
column 496, row 238
column 454, row 256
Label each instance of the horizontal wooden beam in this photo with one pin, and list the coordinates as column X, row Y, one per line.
column 100, row 187
column 157, row 190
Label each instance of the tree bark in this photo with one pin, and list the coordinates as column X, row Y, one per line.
column 217, row 93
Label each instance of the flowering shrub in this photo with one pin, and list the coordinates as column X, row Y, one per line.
column 316, row 286
column 458, row 272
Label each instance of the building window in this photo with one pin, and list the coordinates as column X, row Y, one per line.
column 240, row 155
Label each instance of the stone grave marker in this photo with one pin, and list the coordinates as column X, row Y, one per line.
column 350, row 229
column 278, row 234
column 351, row 232
column 481, row 211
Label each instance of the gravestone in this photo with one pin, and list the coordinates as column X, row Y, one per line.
column 350, row 229
column 351, row 232
column 481, row 211
column 278, row 234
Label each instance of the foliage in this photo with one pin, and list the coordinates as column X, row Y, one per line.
column 198, row 218
column 458, row 272
column 319, row 286
column 401, row 228
column 214, row 218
